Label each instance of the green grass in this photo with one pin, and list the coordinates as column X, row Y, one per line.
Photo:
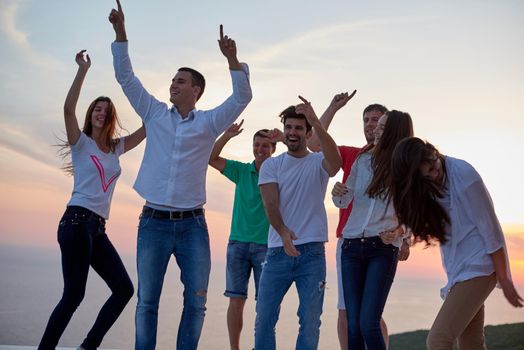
column 501, row 337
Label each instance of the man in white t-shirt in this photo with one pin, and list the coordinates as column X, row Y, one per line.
column 293, row 187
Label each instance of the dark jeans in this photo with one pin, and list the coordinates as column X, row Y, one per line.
column 83, row 243
column 368, row 269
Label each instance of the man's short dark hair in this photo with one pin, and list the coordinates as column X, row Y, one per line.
column 262, row 133
column 375, row 107
column 290, row 113
column 196, row 79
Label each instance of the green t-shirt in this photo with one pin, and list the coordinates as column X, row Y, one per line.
column 249, row 222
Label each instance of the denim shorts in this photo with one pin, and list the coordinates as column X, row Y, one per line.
column 242, row 257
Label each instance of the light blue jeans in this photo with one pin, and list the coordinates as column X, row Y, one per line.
column 188, row 240
column 308, row 271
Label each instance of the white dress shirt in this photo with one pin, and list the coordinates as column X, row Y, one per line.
column 173, row 170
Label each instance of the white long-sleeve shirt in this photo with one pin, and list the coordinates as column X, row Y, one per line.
column 369, row 216
column 475, row 231
column 173, row 170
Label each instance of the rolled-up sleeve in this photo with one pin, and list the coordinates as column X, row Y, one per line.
column 343, row 202
column 481, row 211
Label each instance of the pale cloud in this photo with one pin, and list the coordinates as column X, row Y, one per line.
column 320, row 40
column 8, row 15
column 22, row 143
column 9, row 12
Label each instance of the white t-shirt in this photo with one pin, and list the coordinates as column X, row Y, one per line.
column 302, row 184
column 95, row 175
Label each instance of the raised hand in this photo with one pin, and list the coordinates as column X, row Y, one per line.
column 83, row 62
column 227, row 45
column 116, row 17
column 306, row 109
column 340, row 100
column 275, row 135
column 339, row 190
column 234, row 130
column 228, row 48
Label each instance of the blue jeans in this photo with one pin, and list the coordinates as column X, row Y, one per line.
column 368, row 269
column 83, row 243
column 188, row 240
column 242, row 257
column 308, row 271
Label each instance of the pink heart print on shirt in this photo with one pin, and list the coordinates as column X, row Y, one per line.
column 101, row 172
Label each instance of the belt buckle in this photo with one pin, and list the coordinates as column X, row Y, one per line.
column 175, row 215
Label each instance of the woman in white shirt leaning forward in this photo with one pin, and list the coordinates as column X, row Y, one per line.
column 443, row 199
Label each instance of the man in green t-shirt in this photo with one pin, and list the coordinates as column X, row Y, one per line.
column 247, row 245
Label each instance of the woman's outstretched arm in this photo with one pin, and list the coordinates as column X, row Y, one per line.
column 71, row 123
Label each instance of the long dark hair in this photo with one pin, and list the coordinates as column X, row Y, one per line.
column 109, row 135
column 398, row 126
column 414, row 196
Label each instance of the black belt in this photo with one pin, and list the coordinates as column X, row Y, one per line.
column 171, row 215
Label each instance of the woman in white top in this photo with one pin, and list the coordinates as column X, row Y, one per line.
column 81, row 231
column 369, row 263
column 443, row 199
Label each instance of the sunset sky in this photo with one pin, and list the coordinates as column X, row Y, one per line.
column 456, row 67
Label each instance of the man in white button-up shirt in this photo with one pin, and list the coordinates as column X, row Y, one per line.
column 172, row 181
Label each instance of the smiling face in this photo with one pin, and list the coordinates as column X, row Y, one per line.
column 262, row 149
column 100, row 114
column 379, row 129
column 370, row 120
column 182, row 91
column 296, row 134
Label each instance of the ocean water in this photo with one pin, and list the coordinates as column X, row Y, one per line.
column 31, row 285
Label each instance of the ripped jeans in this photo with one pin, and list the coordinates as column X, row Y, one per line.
column 188, row 240
column 308, row 271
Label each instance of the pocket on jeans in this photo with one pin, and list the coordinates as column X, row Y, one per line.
column 387, row 246
column 143, row 221
column 274, row 251
column 345, row 244
column 201, row 220
column 315, row 250
column 68, row 228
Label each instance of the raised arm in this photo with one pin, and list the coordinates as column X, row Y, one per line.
column 332, row 160
column 71, row 123
column 338, row 101
column 143, row 102
column 229, row 50
column 215, row 160
column 271, row 198
column 226, row 113
column 133, row 140
column 116, row 17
